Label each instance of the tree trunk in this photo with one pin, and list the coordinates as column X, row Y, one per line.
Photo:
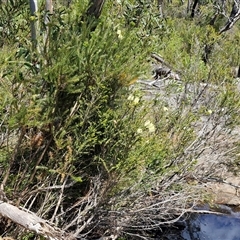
column 92, row 14
column 34, row 23
column 95, row 8
column 49, row 11
column 160, row 7
column 195, row 3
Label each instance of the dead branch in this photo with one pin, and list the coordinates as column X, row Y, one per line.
column 233, row 18
column 160, row 59
column 165, row 70
column 32, row 222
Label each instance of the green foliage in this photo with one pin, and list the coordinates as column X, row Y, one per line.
column 69, row 112
column 68, row 100
column 13, row 23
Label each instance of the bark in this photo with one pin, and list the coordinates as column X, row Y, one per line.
column 188, row 6
column 195, row 3
column 34, row 23
column 92, row 14
column 95, row 8
column 32, row 222
column 49, row 11
column 49, row 6
column 234, row 16
column 160, row 7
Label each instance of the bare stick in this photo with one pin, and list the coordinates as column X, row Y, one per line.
column 32, row 222
column 233, row 18
column 163, row 62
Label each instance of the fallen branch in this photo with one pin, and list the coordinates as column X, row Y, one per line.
column 32, row 222
column 165, row 70
column 233, row 18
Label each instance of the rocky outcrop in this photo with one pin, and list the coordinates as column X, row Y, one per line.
column 215, row 146
column 226, row 192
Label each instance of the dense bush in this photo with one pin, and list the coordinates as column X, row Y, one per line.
column 81, row 144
